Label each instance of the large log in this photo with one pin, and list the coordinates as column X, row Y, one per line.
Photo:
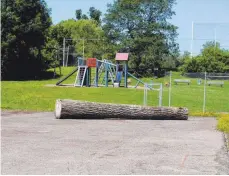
column 74, row 109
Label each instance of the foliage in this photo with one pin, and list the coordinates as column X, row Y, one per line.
column 77, row 31
column 211, row 59
column 94, row 14
column 51, row 52
column 223, row 123
column 78, row 14
column 24, row 26
column 141, row 28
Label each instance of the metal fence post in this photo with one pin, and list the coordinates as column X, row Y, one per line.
column 145, row 94
column 204, row 101
column 160, row 95
column 170, row 87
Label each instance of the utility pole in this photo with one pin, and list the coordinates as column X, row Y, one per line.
column 63, row 51
column 192, row 38
column 66, row 63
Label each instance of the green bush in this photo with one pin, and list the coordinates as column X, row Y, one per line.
column 211, row 59
column 223, row 123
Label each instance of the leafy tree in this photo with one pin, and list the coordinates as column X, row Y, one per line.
column 84, row 17
column 51, row 52
column 211, row 59
column 24, row 26
column 78, row 14
column 182, row 58
column 79, row 30
column 94, row 14
column 141, row 28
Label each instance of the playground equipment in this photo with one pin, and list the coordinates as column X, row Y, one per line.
column 66, row 77
column 103, row 69
column 104, row 72
column 84, row 70
column 74, row 109
column 122, row 68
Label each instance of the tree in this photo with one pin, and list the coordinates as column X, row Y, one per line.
column 84, row 17
column 211, row 59
column 95, row 14
column 79, row 30
column 182, row 58
column 141, row 28
column 78, row 14
column 24, row 26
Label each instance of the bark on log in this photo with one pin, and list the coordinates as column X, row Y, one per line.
column 74, row 109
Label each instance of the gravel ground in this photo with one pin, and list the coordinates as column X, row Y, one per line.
column 37, row 143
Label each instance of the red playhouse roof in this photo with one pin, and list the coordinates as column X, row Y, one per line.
column 121, row 56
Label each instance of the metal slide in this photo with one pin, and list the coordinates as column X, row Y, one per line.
column 66, row 77
column 139, row 81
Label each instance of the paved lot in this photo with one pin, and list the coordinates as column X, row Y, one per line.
column 37, row 143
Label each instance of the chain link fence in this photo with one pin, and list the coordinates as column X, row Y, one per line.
column 200, row 92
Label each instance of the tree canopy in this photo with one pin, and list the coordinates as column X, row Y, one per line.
column 80, row 32
column 30, row 43
column 24, row 26
column 94, row 14
column 211, row 59
column 141, row 28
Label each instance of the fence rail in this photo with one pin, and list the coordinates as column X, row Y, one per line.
column 201, row 75
column 209, row 87
column 206, row 92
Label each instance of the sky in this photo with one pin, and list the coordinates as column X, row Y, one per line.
column 209, row 18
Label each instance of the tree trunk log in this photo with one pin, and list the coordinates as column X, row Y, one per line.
column 74, row 109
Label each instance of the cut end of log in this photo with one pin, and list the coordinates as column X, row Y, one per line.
column 58, row 109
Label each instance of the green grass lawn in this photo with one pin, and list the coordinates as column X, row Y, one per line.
column 35, row 95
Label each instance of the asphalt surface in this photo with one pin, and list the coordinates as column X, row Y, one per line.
column 37, row 143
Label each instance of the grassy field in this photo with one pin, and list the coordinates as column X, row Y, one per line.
column 36, row 95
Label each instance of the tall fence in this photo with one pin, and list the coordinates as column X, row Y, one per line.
column 200, row 92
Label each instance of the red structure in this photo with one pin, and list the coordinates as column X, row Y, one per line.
column 91, row 62
column 122, row 56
